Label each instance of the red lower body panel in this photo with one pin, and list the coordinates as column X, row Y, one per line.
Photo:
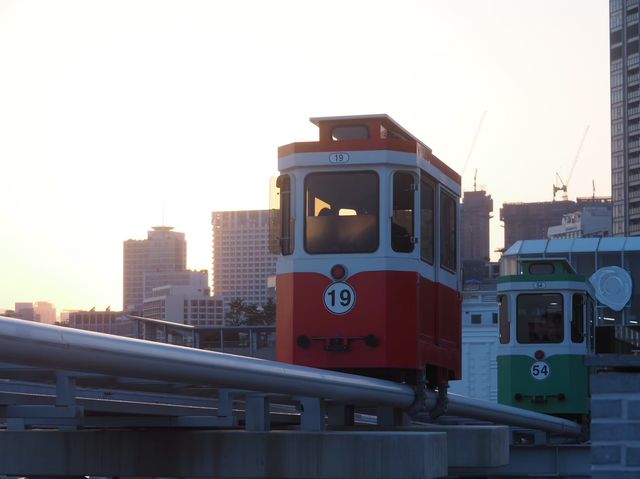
column 400, row 321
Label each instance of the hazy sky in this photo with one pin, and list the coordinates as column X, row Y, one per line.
column 113, row 111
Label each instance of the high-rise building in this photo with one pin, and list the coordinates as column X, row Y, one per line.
column 532, row 220
column 625, row 116
column 46, row 311
column 242, row 262
column 25, row 311
column 476, row 211
column 149, row 263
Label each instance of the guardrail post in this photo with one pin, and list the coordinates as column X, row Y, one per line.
column 65, row 389
column 312, row 414
column 257, row 412
column 340, row 414
column 392, row 416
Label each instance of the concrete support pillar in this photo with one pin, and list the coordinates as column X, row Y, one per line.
column 615, row 416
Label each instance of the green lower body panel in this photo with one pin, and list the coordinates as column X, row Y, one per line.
column 558, row 384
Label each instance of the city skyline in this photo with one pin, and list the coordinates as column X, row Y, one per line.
column 117, row 123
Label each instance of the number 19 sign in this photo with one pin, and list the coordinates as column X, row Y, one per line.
column 339, row 298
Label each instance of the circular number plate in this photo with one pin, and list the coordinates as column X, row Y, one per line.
column 540, row 370
column 339, row 298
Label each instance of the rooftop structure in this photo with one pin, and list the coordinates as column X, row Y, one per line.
column 162, row 253
column 529, row 221
column 592, row 221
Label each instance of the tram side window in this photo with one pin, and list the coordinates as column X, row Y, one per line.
column 341, row 212
column 427, row 219
column 505, row 332
column 402, row 217
column 577, row 318
column 281, row 224
column 447, row 232
column 540, row 318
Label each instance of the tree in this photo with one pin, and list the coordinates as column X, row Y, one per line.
column 253, row 313
column 242, row 314
column 236, row 314
column 269, row 312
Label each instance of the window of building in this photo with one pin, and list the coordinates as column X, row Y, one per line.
column 615, row 22
column 617, row 144
column 616, row 53
column 402, row 215
column 615, row 37
column 476, row 319
column 617, row 128
column 618, row 160
column 616, row 95
column 341, row 212
column 616, row 112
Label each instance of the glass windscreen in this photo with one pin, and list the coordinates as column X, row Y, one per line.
column 341, row 212
column 540, row 318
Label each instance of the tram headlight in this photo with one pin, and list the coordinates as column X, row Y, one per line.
column 338, row 271
column 539, row 354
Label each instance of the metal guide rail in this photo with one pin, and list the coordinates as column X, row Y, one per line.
column 141, row 383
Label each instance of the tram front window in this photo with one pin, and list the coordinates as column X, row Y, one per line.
column 540, row 318
column 341, row 212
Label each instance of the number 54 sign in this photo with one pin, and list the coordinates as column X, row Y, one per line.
column 540, row 370
column 339, row 298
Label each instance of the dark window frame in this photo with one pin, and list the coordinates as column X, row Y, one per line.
column 578, row 303
column 403, row 225
column 281, row 220
column 427, row 224
column 448, row 231
column 504, row 322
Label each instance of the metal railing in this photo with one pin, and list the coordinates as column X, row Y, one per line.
column 43, row 345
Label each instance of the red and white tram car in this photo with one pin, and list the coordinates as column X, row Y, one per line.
column 368, row 281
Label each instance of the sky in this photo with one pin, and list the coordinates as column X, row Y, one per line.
column 116, row 116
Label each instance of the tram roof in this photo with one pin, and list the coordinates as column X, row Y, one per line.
column 574, row 245
column 383, row 118
column 366, row 132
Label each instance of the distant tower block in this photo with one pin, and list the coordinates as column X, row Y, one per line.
column 477, row 209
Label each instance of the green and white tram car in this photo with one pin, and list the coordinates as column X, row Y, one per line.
column 546, row 313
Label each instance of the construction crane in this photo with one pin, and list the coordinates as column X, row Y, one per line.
column 473, row 144
column 563, row 184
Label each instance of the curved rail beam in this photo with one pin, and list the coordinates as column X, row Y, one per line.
column 44, row 345
column 475, row 408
